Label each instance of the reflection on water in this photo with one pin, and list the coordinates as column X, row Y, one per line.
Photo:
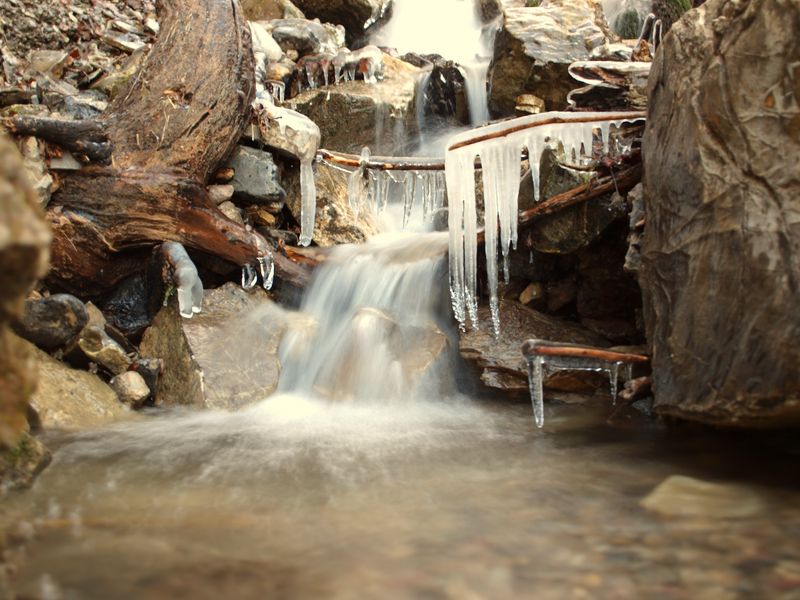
column 440, row 499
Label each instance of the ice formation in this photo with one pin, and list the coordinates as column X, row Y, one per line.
column 185, row 278
column 326, row 67
column 541, row 365
column 299, row 136
column 500, row 146
column 266, row 268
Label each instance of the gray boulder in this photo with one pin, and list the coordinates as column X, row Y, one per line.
column 52, row 322
column 721, row 249
column 255, row 175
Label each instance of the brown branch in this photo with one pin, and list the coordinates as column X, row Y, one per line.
column 546, row 348
column 383, row 163
column 572, row 118
column 82, row 138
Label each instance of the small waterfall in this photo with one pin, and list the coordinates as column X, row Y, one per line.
column 475, row 79
column 373, row 322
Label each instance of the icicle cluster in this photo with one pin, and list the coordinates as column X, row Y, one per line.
column 499, row 147
column 540, row 366
column 316, row 69
column 422, row 191
column 266, row 268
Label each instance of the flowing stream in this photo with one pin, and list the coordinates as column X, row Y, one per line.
column 374, row 472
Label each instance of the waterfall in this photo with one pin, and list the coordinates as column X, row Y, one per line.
column 373, row 329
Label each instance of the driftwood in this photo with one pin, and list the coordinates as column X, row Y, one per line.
column 157, row 145
column 540, row 348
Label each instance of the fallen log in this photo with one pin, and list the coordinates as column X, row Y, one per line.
column 159, row 141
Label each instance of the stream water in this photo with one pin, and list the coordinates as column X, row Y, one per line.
column 372, row 474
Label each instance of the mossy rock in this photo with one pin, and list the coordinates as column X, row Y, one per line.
column 22, row 463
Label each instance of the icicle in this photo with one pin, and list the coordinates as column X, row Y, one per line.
column 266, row 266
column 308, row 196
column 249, row 277
column 536, row 370
column 628, row 371
column 358, row 184
column 459, row 171
column 613, row 378
column 185, row 277
column 409, row 183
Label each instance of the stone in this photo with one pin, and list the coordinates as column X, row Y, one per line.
column 561, row 293
column 117, row 81
column 223, row 357
column 68, row 398
column 52, row 322
column 131, row 388
column 356, row 16
column 36, row 169
column 98, row 346
column 24, row 254
column 681, row 496
column 500, row 361
column 220, row 193
column 534, row 49
column 22, row 463
column 304, row 37
column 721, row 248
column 533, row 291
column 445, row 96
column 335, row 222
column 355, row 114
column 264, row 10
column 255, row 176
column 230, row 210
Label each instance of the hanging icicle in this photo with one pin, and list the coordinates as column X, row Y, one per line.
column 499, row 147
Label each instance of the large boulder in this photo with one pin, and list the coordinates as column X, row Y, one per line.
column 223, row 357
column 721, row 252
column 52, row 322
column 355, row 114
column 535, row 47
column 356, row 16
column 24, row 252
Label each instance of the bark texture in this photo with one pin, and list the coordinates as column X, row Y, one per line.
column 721, row 253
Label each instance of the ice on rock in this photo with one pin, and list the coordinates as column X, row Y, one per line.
column 500, row 146
column 296, row 134
column 358, row 184
column 185, row 277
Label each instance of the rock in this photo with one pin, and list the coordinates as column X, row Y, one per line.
column 681, row 496
column 560, row 293
column 356, row 16
column 202, row 365
column 150, row 370
column 68, row 398
column 355, row 114
column 36, row 170
column 264, row 10
column 260, row 216
column 24, row 252
column 500, row 361
column 721, row 249
column 445, row 96
column 534, row 49
column 534, row 291
column 98, row 346
column 305, row 37
column 335, row 222
column 52, row 322
column 22, row 463
column 131, row 388
column 117, row 81
column 255, row 175
column 230, row 210
column 220, row 193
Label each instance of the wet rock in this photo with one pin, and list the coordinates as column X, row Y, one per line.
column 355, row 114
column 52, row 322
column 150, row 370
column 534, row 49
column 98, row 346
column 500, row 361
column 721, row 250
column 132, row 304
column 24, row 252
column 490, row 9
column 223, row 357
column 68, row 398
column 445, row 95
column 356, row 16
column 305, row 37
column 681, row 496
column 561, row 293
column 335, row 222
column 255, row 176
column 131, row 388
column 22, row 463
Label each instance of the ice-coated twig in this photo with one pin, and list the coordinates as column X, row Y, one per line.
column 184, row 276
column 545, row 356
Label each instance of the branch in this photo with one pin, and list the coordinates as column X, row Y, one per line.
column 546, row 348
column 82, row 138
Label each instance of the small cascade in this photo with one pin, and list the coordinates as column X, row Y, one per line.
column 500, row 147
column 373, row 314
